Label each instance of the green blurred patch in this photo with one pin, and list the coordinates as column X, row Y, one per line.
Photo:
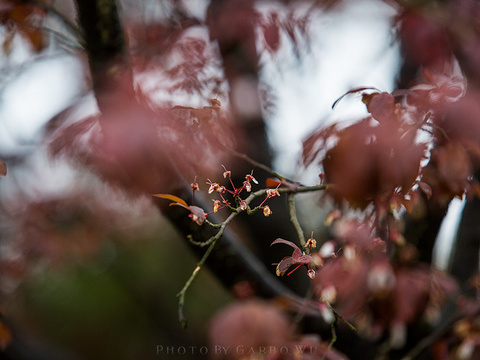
column 123, row 304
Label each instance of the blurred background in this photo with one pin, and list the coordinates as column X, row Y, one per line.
column 89, row 271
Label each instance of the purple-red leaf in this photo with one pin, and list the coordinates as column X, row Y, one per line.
column 284, row 265
column 298, row 257
column 286, row 242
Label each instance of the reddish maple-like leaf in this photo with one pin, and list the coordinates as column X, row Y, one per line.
column 449, row 169
column 371, row 162
column 460, row 121
column 381, row 106
column 297, row 258
column 423, row 38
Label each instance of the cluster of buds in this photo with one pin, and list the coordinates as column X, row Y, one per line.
column 235, row 192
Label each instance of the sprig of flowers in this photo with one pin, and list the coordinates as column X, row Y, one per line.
column 229, row 195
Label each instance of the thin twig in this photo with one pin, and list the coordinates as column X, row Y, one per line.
column 338, row 316
column 181, row 295
column 294, row 219
column 334, row 334
column 258, row 165
column 213, row 225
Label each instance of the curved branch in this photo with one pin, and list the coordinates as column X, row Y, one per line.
column 106, row 48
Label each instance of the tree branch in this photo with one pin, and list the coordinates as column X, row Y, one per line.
column 106, row 48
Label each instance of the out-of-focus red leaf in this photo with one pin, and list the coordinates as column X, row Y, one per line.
column 251, row 324
column 3, row 168
column 427, row 189
column 316, row 143
column 461, row 119
column 5, row 336
column 411, row 293
column 26, row 16
column 424, row 40
column 271, row 33
column 371, row 162
column 452, row 168
column 233, row 24
column 380, row 105
column 475, row 189
column 272, row 183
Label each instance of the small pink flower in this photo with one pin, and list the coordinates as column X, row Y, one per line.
column 213, row 187
column 311, row 243
column 197, row 214
column 272, row 193
column 267, row 211
column 216, row 205
column 226, row 173
column 243, row 205
column 247, row 186
column 249, row 178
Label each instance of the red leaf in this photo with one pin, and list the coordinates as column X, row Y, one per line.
column 5, row 336
column 272, row 183
column 425, row 188
column 271, row 33
column 286, row 242
column 284, row 265
column 380, row 105
column 3, row 168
